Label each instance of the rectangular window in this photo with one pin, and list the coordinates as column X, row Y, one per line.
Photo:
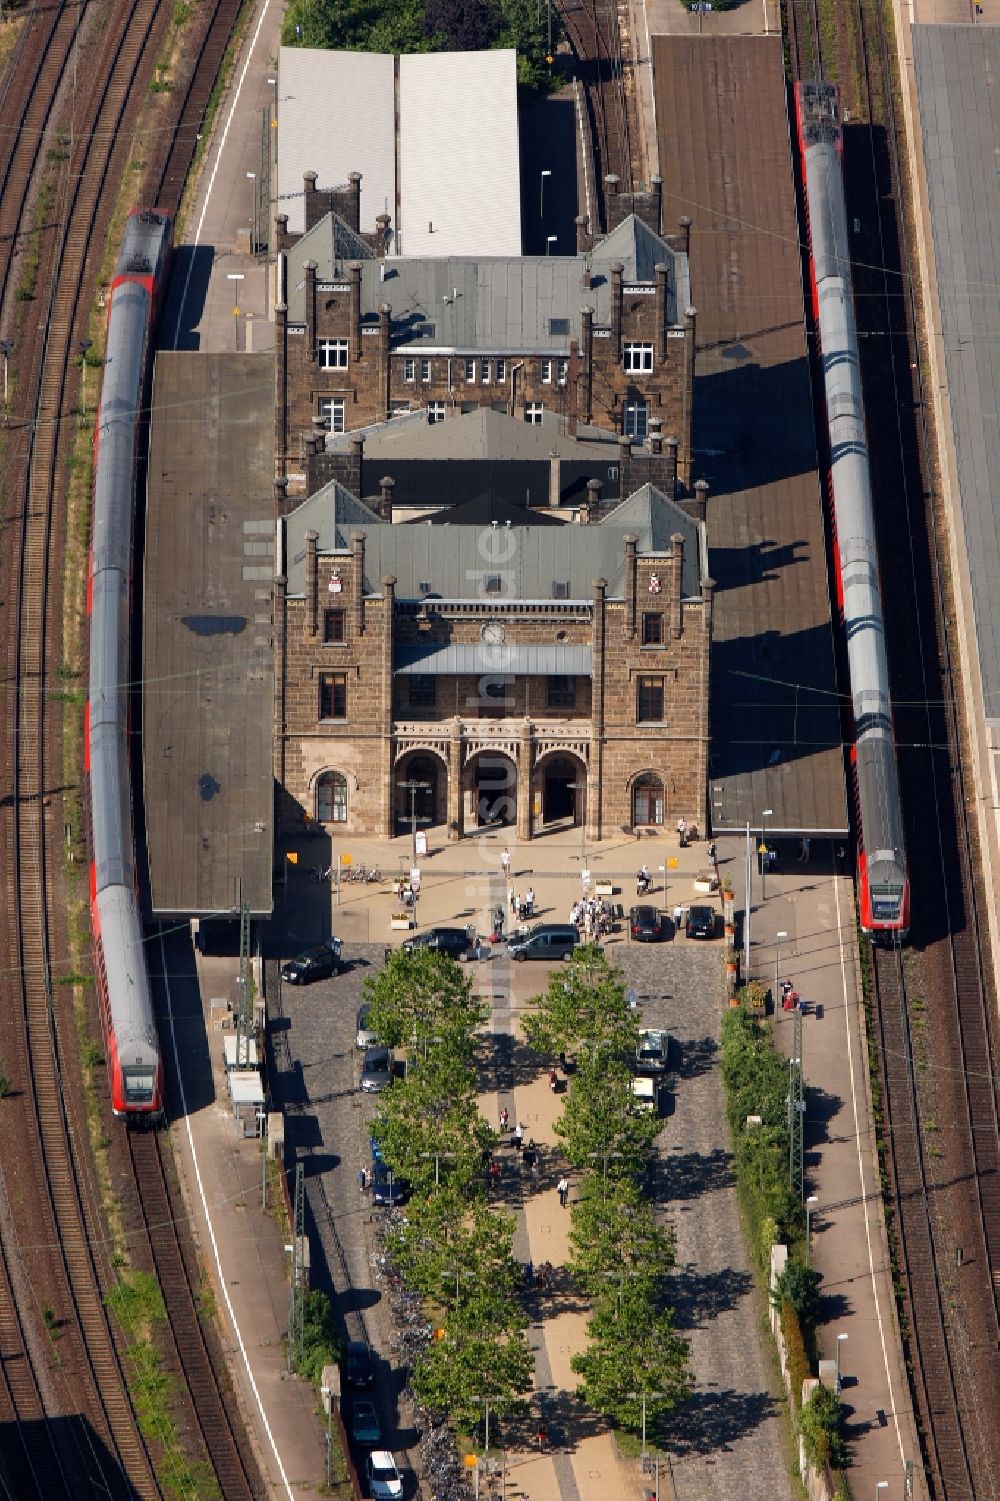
column 493, row 584
column 424, row 330
column 545, row 372
column 560, row 589
column 501, row 371
column 333, row 695
column 635, row 422
column 331, row 411
column 422, row 691
column 435, row 411
column 332, row 354
column 649, row 701
column 334, row 622
column 562, row 692
column 534, row 411
column 638, row 357
column 409, row 369
column 562, row 371
column 425, row 370
column 652, row 629
column 486, row 372
column 558, row 326
column 470, row 370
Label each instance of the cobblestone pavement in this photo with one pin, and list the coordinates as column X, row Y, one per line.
column 726, row 1442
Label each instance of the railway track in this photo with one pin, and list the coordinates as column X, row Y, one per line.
column 237, row 1475
column 938, row 1081
column 591, row 27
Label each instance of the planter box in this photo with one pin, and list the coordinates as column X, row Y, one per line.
column 400, row 922
column 604, row 888
column 705, row 883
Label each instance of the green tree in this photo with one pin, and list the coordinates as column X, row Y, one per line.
column 633, row 1348
column 321, row 1343
column 613, row 1231
column 798, row 1286
column 422, row 999
column 600, row 1126
column 583, row 1009
column 473, row 1363
column 429, row 1126
column 819, row 1424
column 524, row 26
column 462, row 25
column 458, row 1253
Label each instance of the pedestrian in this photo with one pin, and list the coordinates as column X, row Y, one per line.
column 529, row 901
column 363, row 1179
column 562, row 1189
column 505, row 863
column 513, row 901
column 542, row 1436
column 713, row 852
column 529, row 1156
column 504, row 1118
column 518, row 1137
column 529, row 1275
column 553, row 1080
column 387, row 955
column 681, row 833
column 804, row 849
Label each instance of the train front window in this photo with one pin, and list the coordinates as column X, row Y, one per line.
column 138, row 1085
column 886, row 902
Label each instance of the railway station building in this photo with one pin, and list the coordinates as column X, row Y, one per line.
column 605, row 337
column 510, row 668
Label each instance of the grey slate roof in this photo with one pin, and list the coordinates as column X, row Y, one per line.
column 482, row 434
column 501, row 304
column 456, row 560
column 957, row 68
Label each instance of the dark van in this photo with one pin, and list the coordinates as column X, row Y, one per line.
column 547, row 941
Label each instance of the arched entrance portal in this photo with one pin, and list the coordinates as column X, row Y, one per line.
column 490, row 787
column 419, row 792
column 563, row 789
column 647, row 799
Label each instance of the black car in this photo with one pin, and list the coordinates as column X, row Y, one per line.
column 376, row 1071
column 315, row 964
column 387, row 1188
column 700, row 923
column 451, row 941
column 358, row 1368
column 645, row 924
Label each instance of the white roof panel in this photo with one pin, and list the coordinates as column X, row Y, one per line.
column 458, row 146
column 336, row 114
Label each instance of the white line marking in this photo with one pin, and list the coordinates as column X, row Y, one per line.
column 218, row 158
column 861, row 1171
column 211, row 1230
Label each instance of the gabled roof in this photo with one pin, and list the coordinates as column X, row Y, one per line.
column 450, row 562
column 481, row 434
column 507, row 305
column 332, row 244
column 491, row 510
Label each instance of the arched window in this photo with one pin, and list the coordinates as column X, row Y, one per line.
column 331, row 797
column 647, row 799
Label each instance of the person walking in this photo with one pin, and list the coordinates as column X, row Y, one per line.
column 505, row 863
column 363, row 1180
column 504, row 1118
column 554, row 1081
column 681, row 833
column 562, row 1189
column 518, row 1137
column 804, row 849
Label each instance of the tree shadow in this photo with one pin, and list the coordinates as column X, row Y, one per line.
column 687, row 1175
column 695, row 1057
column 699, row 1297
column 567, row 1421
column 713, row 1420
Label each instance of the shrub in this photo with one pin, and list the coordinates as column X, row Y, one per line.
column 798, row 1361
column 798, row 1285
column 819, row 1424
column 321, row 1344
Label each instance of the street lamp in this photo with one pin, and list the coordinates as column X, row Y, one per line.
column 841, row 1340
column 811, row 1203
column 777, row 963
column 546, row 172
column 641, row 1397
column 767, row 813
column 237, row 277
column 550, row 240
column 83, row 346
column 252, row 177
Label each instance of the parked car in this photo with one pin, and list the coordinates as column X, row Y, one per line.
column 384, row 1480
column 546, row 941
column 646, row 1093
column 365, row 1426
column 645, row 924
column 366, row 1038
column 451, row 941
column 700, row 922
column 376, row 1070
column 652, row 1051
column 318, row 963
column 387, row 1188
column 358, row 1367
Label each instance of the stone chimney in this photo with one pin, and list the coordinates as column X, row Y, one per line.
column 617, row 276
column 685, row 224
column 573, row 388
column 310, row 269
column 281, row 236
column 382, row 222
column 655, row 437
column 386, row 485
column 353, row 216
column 582, row 234
column 677, row 585
column 312, row 583
column 670, row 468
column 384, row 351
column 698, row 505
column 354, row 272
column 593, row 500
column 631, row 575
column 281, row 387
column 656, row 187
column 358, row 465
column 624, row 465
column 687, row 407
column 611, row 204
column 358, row 581
column 309, row 195
column 587, row 362
column 555, row 480
column 661, row 272
column 280, row 496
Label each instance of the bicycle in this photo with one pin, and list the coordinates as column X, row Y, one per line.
column 320, row 873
